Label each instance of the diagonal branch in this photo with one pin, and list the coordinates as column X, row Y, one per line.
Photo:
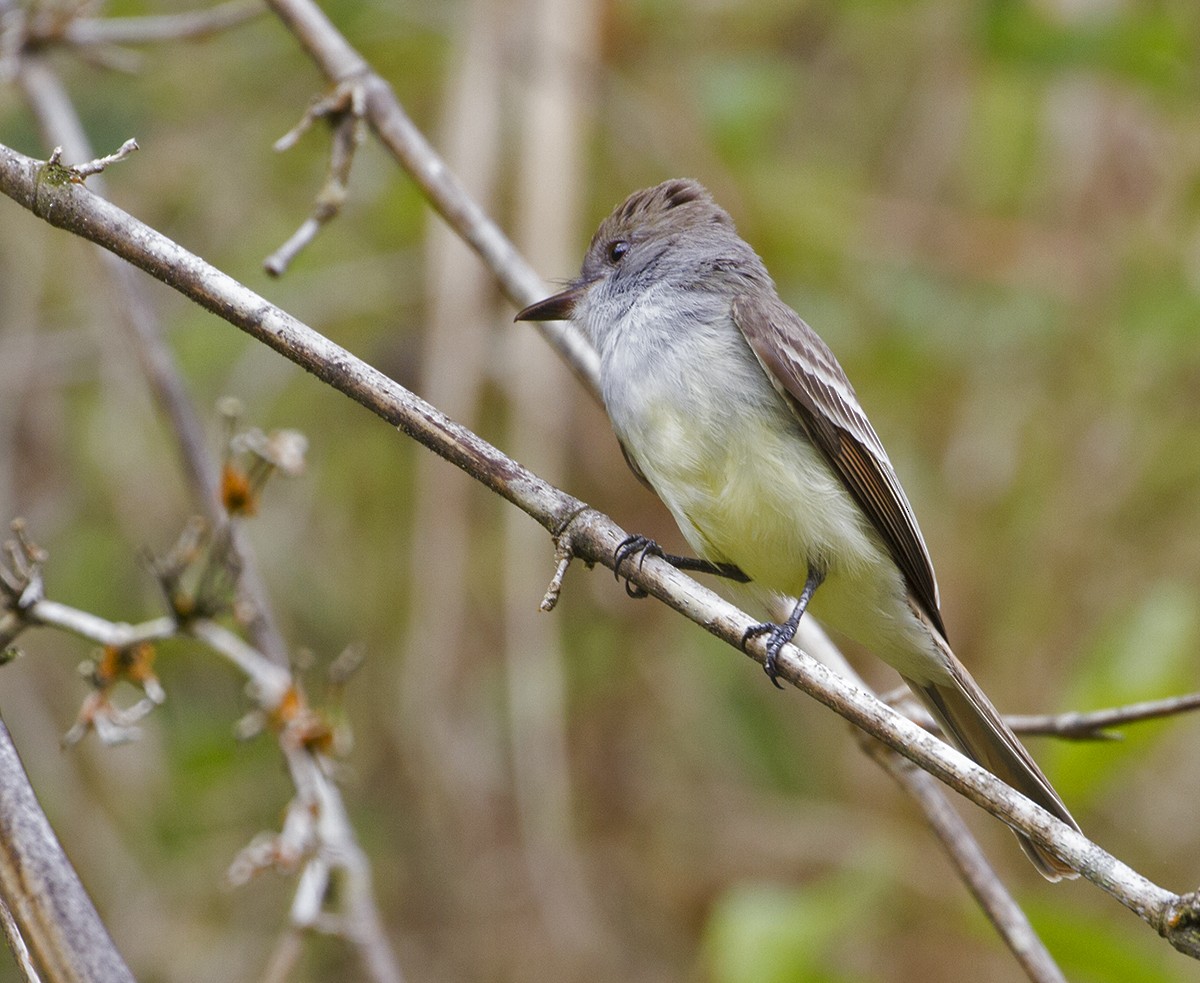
column 973, row 867
column 46, row 899
column 345, row 68
column 49, row 193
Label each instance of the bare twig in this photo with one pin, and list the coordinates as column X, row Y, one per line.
column 594, row 536
column 81, row 172
column 191, row 25
column 1097, row 725
column 563, row 557
column 345, row 109
column 341, row 64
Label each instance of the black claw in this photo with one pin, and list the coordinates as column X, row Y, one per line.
column 777, row 637
column 628, row 548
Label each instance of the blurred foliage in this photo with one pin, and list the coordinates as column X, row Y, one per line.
column 762, row 933
column 991, row 210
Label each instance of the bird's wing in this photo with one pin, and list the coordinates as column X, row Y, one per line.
column 804, row 371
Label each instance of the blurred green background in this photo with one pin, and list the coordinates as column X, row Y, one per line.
column 990, row 210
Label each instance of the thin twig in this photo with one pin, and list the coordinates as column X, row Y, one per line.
column 595, row 537
column 340, row 64
column 344, row 109
column 95, row 166
column 1097, row 725
column 191, row 25
column 563, row 557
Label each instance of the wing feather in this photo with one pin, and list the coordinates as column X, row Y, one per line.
column 805, row 372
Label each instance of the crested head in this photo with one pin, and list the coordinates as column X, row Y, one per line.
column 673, row 228
column 670, row 246
column 669, row 208
column 670, row 241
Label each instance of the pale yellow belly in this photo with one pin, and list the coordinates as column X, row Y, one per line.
column 765, row 499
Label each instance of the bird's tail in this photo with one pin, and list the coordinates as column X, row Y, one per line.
column 970, row 721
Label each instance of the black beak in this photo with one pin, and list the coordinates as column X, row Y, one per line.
column 560, row 307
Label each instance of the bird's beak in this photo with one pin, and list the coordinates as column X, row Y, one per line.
column 560, row 307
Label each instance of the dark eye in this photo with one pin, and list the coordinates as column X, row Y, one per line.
column 616, row 250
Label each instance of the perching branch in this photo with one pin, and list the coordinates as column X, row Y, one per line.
column 587, row 534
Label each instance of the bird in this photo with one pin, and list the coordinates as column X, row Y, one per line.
column 739, row 417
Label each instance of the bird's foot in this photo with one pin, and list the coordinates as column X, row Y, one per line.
column 630, row 547
column 777, row 637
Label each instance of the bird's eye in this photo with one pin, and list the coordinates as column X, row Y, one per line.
column 616, row 250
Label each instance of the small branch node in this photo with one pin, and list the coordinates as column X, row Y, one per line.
column 283, row 851
column 113, row 724
column 21, row 584
column 1181, row 924
column 345, row 108
column 81, row 172
column 564, row 554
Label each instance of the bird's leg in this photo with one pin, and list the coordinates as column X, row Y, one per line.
column 779, row 635
column 631, row 546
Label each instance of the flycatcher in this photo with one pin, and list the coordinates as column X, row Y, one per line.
column 739, row 417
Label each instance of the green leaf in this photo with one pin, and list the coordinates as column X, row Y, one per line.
column 771, row 933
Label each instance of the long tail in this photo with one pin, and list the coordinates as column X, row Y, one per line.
column 968, row 718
